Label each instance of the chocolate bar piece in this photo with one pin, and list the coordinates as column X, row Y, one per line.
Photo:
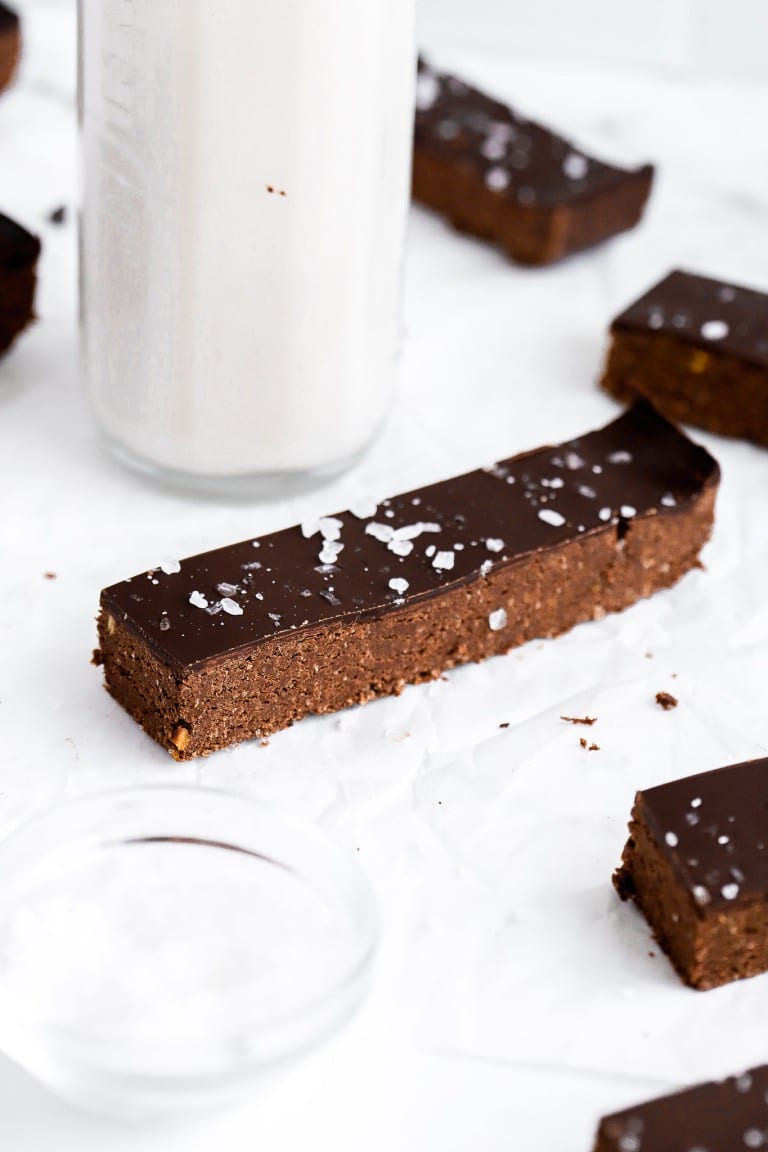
column 19, row 253
column 10, row 46
column 696, row 864
column 243, row 641
column 504, row 178
column 698, row 349
column 718, row 1117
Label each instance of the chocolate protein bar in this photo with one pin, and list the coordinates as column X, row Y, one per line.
column 504, row 178
column 698, row 349
column 243, row 641
column 696, row 864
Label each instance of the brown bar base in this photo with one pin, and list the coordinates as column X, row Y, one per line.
column 707, row 388
column 529, row 234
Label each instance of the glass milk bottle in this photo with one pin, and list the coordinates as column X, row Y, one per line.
column 246, row 173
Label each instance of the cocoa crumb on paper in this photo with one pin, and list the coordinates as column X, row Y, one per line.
column 666, row 701
column 589, row 720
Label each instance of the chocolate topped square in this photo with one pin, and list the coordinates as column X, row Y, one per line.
column 697, row 865
column 698, row 349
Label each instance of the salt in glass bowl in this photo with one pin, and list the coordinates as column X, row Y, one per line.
column 163, row 948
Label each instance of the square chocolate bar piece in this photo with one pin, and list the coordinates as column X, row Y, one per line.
column 501, row 177
column 696, row 864
column 698, row 349
column 724, row 1116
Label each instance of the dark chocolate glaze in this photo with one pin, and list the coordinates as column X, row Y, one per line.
column 515, row 157
column 725, row 1116
column 709, row 314
column 18, row 248
column 714, row 829
column 9, row 21
column 639, row 465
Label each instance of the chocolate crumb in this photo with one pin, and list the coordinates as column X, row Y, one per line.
column 58, row 215
column 590, row 720
column 594, row 747
column 583, row 743
column 50, row 576
column 505, row 725
column 666, row 701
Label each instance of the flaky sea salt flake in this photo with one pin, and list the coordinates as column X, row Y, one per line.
column 197, row 600
column 498, row 620
column 715, row 330
column 575, row 166
column 549, row 516
column 381, row 532
column 444, row 561
column 399, row 585
column 231, row 607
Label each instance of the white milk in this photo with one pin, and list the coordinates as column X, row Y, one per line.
column 246, row 184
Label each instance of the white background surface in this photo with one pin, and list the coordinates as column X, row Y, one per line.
column 674, row 37
column 515, row 998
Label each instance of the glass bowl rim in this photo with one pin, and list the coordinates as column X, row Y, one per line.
column 351, row 972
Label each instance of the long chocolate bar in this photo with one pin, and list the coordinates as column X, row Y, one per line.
column 722, row 1116
column 243, row 641
column 502, row 177
column 696, row 863
column 698, row 349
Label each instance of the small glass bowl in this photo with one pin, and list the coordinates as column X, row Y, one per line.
column 163, row 948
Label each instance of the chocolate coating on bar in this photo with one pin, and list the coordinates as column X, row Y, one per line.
column 9, row 21
column 713, row 828
column 426, row 541
column 19, row 249
column 709, row 314
column 514, row 156
column 731, row 1114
